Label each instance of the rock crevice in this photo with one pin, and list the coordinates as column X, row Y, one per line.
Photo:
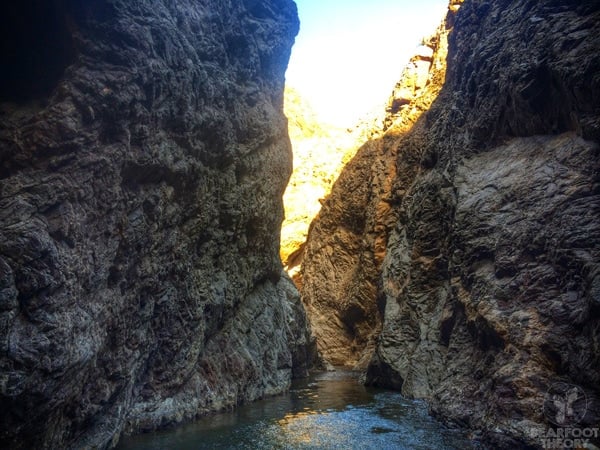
column 343, row 255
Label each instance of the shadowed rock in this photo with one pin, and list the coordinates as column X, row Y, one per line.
column 347, row 241
column 490, row 272
column 489, row 281
column 143, row 157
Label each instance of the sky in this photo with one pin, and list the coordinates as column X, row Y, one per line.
column 350, row 53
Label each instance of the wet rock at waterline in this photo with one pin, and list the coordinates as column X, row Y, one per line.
column 488, row 289
column 328, row 410
column 143, row 157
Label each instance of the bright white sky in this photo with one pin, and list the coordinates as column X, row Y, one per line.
column 350, row 53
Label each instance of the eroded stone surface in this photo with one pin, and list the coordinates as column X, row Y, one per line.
column 320, row 152
column 140, row 206
column 347, row 241
column 490, row 271
column 485, row 326
column 489, row 282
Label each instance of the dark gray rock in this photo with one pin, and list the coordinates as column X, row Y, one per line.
column 501, row 306
column 143, row 159
column 490, row 272
column 489, row 284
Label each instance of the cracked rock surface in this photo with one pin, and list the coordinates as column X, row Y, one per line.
column 142, row 167
column 488, row 286
column 491, row 272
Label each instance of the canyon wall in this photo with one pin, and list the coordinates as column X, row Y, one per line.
column 489, row 288
column 320, row 152
column 346, row 244
column 143, row 157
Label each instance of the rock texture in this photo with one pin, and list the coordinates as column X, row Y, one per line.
column 143, row 157
column 320, row 152
column 346, row 244
column 489, row 284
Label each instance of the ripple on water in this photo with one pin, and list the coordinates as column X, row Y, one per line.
column 328, row 411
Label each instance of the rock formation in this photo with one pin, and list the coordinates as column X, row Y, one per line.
column 321, row 151
column 143, row 157
column 347, row 241
column 489, row 232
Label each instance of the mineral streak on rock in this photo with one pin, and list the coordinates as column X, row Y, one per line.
column 489, row 286
column 143, row 157
column 347, row 241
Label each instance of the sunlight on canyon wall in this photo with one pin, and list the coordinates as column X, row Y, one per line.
column 321, row 150
column 347, row 240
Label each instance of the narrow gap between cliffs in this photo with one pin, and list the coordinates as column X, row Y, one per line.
column 338, row 204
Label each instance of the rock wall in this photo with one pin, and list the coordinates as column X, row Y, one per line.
column 346, row 243
column 489, row 283
column 143, row 157
column 320, row 152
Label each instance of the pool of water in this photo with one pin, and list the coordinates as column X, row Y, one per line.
column 329, row 410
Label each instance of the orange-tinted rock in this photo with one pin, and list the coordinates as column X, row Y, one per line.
column 488, row 294
column 348, row 239
column 320, row 152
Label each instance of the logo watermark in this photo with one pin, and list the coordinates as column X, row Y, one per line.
column 565, row 405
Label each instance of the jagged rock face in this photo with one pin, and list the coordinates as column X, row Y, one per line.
column 344, row 251
column 491, row 263
column 320, row 152
column 491, row 273
column 143, row 161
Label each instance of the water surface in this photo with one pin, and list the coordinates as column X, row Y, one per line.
column 329, row 410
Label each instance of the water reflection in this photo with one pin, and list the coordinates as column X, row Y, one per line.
column 327, row 411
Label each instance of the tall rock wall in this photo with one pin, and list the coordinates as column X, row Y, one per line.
column 489, row 285
column 320, row 152
column 143, row 157
column 345, row 248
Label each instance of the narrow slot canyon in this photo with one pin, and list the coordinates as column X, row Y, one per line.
column 199, row 251
column 347, row 176
column 432, row 266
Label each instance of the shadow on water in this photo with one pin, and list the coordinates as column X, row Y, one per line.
column 329, row 410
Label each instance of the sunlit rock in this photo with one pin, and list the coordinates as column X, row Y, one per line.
column 469, row 233
column 321, row 151
column 347, row 241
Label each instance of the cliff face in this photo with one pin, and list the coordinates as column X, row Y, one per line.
column 320, row 153
column 489, row 281
column 144, row 154
column 346, row 244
